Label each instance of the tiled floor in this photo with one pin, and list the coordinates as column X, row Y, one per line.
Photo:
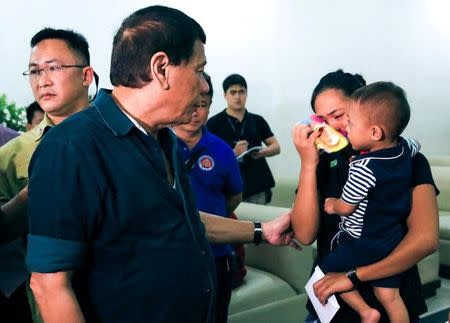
column 441, row 300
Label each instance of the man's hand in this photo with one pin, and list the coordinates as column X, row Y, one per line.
column 257, row 154
column 279, row 232
column 240, row 147
column 331, row 284
column 329, row 205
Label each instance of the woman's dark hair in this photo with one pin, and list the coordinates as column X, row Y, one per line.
column 338, row 80
column 146, row 32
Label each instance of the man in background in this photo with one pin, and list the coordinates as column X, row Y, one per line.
column 59, row 76
column 6, row 134
column 35, row 114
column 243, row 130
column 217, row 184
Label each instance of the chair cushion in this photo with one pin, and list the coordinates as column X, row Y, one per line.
column 259, row 288
column 429, row 268
column 441, row 176
column 444, row 225
column 444, row 236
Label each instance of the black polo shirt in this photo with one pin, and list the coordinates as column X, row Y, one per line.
column 100, row 204
column 255, row 173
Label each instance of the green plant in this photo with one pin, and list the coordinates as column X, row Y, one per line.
column 12, row 116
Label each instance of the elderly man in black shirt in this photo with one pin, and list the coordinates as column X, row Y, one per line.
column 114, row 233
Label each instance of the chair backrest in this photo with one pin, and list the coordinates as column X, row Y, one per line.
column 284, row 192
column 440, row 168
column 291, row 265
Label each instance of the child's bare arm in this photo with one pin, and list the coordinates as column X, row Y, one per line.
column 338, row 206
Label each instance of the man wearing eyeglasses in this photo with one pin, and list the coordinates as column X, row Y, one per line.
column 59, row 75
column 121, row 240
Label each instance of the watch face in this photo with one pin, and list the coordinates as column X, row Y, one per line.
column 353, row 277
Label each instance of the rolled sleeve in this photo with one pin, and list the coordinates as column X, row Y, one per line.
column 63, row 205
column 48, row 255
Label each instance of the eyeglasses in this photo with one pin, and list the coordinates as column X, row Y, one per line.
column 54, row 69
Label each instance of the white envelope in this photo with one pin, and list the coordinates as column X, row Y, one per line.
column 327, row 312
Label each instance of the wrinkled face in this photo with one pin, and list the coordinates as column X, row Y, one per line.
column 60, row 92
column 236, row 97
column 199, row 116
column 358, row 128
column 332, row 106
column 188, row 85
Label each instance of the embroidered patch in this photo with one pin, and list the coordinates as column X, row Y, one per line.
column 333, row 163
column 206, row 162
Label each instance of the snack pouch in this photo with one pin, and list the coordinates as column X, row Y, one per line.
column 330, row 139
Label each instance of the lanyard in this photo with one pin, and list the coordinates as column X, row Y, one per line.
column 239, row 135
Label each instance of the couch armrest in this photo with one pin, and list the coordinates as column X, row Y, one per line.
column 293, row 266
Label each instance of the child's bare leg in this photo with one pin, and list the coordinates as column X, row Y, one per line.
column 393, row 303
column 355, row 301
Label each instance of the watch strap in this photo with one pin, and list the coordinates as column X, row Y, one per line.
column 352, row 275
column 257, row 233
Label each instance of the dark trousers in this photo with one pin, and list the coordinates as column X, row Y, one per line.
column 15, row 309
column 224, row 279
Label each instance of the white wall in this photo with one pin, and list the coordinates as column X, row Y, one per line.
column 281, row 47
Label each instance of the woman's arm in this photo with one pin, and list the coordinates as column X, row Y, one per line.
column 421, row 240
column 305, row 210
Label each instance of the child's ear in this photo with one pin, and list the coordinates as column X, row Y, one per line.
column 376, row 133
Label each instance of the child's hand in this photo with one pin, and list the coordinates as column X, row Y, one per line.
column 329, row 205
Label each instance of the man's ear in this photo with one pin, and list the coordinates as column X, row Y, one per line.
column 376, row 133
column 159, row 69
column 88, row 76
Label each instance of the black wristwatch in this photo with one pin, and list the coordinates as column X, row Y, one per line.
column 257, row 233
column 351, row 274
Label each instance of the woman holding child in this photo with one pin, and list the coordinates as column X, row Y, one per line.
column 324, row 175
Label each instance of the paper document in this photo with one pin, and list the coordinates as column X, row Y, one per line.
column 256, row 148
column 327, row 312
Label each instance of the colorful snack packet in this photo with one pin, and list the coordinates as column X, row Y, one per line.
column 330, row 140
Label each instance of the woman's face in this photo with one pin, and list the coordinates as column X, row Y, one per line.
column 332, row 106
